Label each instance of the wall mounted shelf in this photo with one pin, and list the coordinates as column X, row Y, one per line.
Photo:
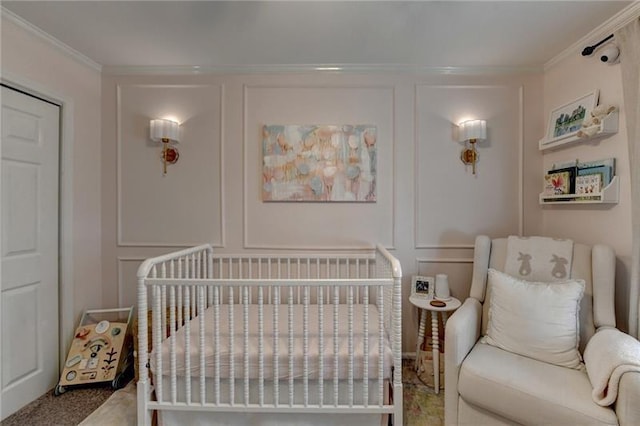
column 610, row 194
column 608, row 126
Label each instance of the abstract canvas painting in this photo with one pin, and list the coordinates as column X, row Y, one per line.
column 319, row 163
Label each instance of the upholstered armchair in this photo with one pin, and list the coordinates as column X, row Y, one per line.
column 488, row 384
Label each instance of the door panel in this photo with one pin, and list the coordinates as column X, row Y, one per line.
column 20, row 203
column 29, row 196
column 20, row 305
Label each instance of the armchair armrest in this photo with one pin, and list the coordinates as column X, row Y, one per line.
column 612, row 360
column 461, row 334
column 627, row 407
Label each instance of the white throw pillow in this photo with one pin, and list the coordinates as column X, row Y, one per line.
column 535, row 319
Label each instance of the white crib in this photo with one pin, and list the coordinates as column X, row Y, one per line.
column 270, row 339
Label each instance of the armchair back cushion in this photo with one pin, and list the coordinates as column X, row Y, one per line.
column 595, row 311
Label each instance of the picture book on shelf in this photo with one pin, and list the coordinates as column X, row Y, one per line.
column 581, row 178
column 589, row 184
column 569, row 178
column 557, row 183
column 605, row 168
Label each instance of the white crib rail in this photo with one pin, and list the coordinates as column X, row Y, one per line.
column 196, row 280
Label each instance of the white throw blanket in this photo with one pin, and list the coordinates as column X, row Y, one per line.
column 609, row 354
column 539, row 258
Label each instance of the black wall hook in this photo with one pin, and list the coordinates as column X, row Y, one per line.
column 589, row 49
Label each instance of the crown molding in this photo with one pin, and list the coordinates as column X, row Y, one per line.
column 610, row 26
column 29, row 27
column 306, row 68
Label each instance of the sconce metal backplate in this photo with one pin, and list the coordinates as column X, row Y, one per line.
column 470, row 156
column 169, row 155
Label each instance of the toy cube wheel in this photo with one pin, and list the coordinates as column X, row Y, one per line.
column 59, row 390
column 118, row 382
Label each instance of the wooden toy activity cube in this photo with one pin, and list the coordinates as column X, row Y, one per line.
column 101, row 350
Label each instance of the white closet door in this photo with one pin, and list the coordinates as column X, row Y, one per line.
column 30, row 147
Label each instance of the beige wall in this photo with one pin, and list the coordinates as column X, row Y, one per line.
column 567, row 80
column 429, row 206
column 32, row 62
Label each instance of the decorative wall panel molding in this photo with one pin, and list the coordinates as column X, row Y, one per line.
column 442, row 260
column 316, row 225
column 445, row 188
column 185, row 207
column 459, row 270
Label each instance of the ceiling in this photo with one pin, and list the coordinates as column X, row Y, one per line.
column 505, row 34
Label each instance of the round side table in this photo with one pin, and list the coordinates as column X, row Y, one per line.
column 425, row 306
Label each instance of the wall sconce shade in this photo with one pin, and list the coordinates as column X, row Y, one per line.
column 166, row 131
column 472, row 131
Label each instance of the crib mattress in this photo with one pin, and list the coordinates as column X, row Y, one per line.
column 231, row 344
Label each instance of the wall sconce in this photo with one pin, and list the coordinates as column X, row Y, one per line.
column 472, row 131
column 166, row 131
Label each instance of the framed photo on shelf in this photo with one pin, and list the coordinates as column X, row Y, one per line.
column 566, row 120
column 422, row 287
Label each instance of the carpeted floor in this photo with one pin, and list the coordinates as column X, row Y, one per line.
column 68, row 409
column 421, row 405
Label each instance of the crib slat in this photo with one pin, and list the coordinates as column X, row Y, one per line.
column 291, row 354
column 358, row 277
column 276, row 353
column 305, row 345
column 365, row 372
column 260, row 347
column 172, row 343
column 187, row 344
column 381, row 309
column 321, row 346
column 328, row 267
column 194, row 274
column 232, row 358
column 249, row 276
column 157, row 337
column 187, row 272
column 163, row 296
column 209, row 275
column 216, row 341
column 336, row 372
column 245, row 316
column 350, row 344
column 298, row 277
column 201, row 344
column 180, row 291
